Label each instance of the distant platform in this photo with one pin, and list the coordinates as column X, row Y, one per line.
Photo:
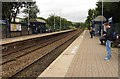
column 21, row 38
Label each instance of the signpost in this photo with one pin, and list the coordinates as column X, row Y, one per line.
column 110, row 20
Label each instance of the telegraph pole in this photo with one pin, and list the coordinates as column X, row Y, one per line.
column 60, row 20
column 54, row 22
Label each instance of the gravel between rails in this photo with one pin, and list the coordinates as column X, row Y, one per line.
column 34, row 70
column 44, row 42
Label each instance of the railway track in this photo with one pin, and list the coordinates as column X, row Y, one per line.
column 19, row 45
column 8, row 49
column 25, row 64
column 14, row 55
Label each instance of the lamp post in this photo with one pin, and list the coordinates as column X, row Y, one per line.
column 64, row 24
column 60, row 19
column 102, row 21
column 28, row 19
column 54, row 22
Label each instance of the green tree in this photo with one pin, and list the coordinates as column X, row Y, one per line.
column 64, row 23
column 11, row 9
column 77, row 25
column 110, row 9
column 31, row 11
column 90, row 17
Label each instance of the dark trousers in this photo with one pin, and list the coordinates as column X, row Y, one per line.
column 91, row 34
column 102, row 40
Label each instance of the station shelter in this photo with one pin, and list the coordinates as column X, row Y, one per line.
column 38, row 26
column 98, row 24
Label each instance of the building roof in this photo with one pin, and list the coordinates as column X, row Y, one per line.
column 38, row 20
column 41, row 20
column 100, row 18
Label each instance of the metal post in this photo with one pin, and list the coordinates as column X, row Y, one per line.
column 64, row 24
column 60, row 20
column 6, row 27
column 28, row 19
column 102, row 21
column 54, row 22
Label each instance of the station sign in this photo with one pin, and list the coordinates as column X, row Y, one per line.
column 110, row 20
column 15, row 27
column 2, row 22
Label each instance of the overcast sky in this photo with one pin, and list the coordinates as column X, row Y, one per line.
column 73, row 10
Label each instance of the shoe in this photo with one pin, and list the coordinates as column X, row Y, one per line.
column 106, row 58
column 101, row 44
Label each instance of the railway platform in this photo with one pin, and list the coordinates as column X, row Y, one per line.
column 84, row 58
column 22, row 38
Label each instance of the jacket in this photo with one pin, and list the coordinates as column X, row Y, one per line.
column 108, row 33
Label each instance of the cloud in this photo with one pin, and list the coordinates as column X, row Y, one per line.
column 73, row 10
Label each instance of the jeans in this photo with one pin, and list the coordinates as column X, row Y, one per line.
column 108, row 48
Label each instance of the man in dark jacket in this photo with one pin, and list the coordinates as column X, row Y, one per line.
column 108, row 40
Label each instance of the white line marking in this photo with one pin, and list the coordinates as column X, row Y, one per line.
column 84, row 32
column 75, row 49
column 81, row 36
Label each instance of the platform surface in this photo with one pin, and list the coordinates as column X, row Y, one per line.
column 84, row 58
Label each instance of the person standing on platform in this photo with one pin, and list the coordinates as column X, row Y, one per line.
column 108, row 40
column 91, row 32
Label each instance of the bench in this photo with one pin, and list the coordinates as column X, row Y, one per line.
column 115, row 43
